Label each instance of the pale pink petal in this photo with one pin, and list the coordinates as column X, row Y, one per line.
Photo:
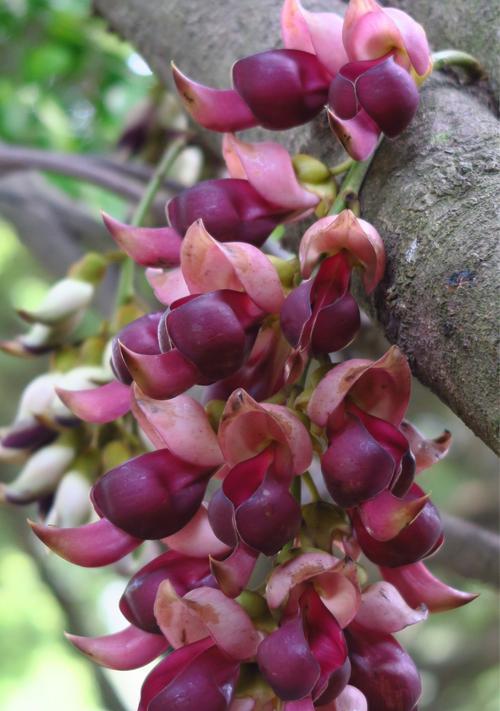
column 268, row 168
column 368, row 32
column 381, row 388
column 205, row 612
column 208, row 265
column 339, row 593
column 233, row 572
column 384, row 610
column 247, row 427
column 98, row 405
column 414, row 39
column 351, row 699
column 216, row 109
column 418, row 586
column 426, row 451
column 317, row 32
column 358, row 135
column 92, row 545
column 197, row 538
column 180, row 425
column 168, row 286
column 386, row 515
column 128, row 649
column 293, row 572
column 148, row 246
column 330, row 235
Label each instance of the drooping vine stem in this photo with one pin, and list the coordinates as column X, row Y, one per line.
column 456, row 58
column 348, row 196
column 125, row 289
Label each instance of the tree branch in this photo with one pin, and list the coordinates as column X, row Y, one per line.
column 431, row 193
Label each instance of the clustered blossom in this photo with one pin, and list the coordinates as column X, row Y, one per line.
column 256, row 596
column 366, row 69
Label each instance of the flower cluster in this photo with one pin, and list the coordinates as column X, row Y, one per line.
column 366, row 69
column 263, row 471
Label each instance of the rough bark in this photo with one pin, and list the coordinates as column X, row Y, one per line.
column 431, row 193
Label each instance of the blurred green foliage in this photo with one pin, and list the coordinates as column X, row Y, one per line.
column 68, row 85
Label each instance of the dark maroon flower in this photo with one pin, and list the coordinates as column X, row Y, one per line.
column 320, row 316
column 153, row 495
column 184, row 572
column 277, row 89
column 140, row 336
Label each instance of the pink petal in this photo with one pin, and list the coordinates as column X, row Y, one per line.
column 358, row 135
column 330, row 235
column 368, row 32
column 160, row 376
column 294, row 572
column 205, row 612
column 426, row 451
column 148, row 246
column 92, row 545
column 128, row 649
column 339, row 592
column 98, row 405
column 208, row 265
column 414, row 40
column 197, row 538
column 418, row 586
column 351, row 699
column 387, row 515
column 317, row 32
column 383, row 609
column 247, row 427
column 216, row 109
column 233, row 572
column 381, row 388
column 269, row 170
column 301, row 705
column 167, row 286
column 180, row 425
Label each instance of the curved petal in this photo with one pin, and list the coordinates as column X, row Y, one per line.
column 426, row 451
column 383, row 609
column 268, row 168
column 317, row 32
column 387, row 515
column 330, row 235
column 419, row 587
column 295, row 571
column 180, row 425
column 160, row 376
column 128, row 649
column 147, row 246
column 98, row 405
column 233, row 572
column 351, row 699
column 216, row 109
column 380, row 388
column 339, row 592
column 167, row 286
column 197, row 538
column 368, row 32
column 91, row 546
column 208, row 265
column 359, row 135
column 202, row 612
column 414, row 39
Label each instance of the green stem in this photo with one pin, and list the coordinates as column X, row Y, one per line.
column 349, row 191
column 296, row 489
column 125, row 290
column 342, row 167
column 313, row 490
column 456, row 58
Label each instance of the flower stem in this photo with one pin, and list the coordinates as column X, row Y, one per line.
column 456, row 58
column 348, row 196
column 125, row 290
column 342, row 167
column 296, row 489
column 313, row 490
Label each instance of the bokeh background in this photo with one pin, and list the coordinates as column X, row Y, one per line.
column 68, row 86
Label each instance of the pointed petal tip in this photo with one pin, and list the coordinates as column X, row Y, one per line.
column 98, row 405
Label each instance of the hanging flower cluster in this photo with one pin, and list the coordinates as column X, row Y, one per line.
column 257, row 597
column 365, row 67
